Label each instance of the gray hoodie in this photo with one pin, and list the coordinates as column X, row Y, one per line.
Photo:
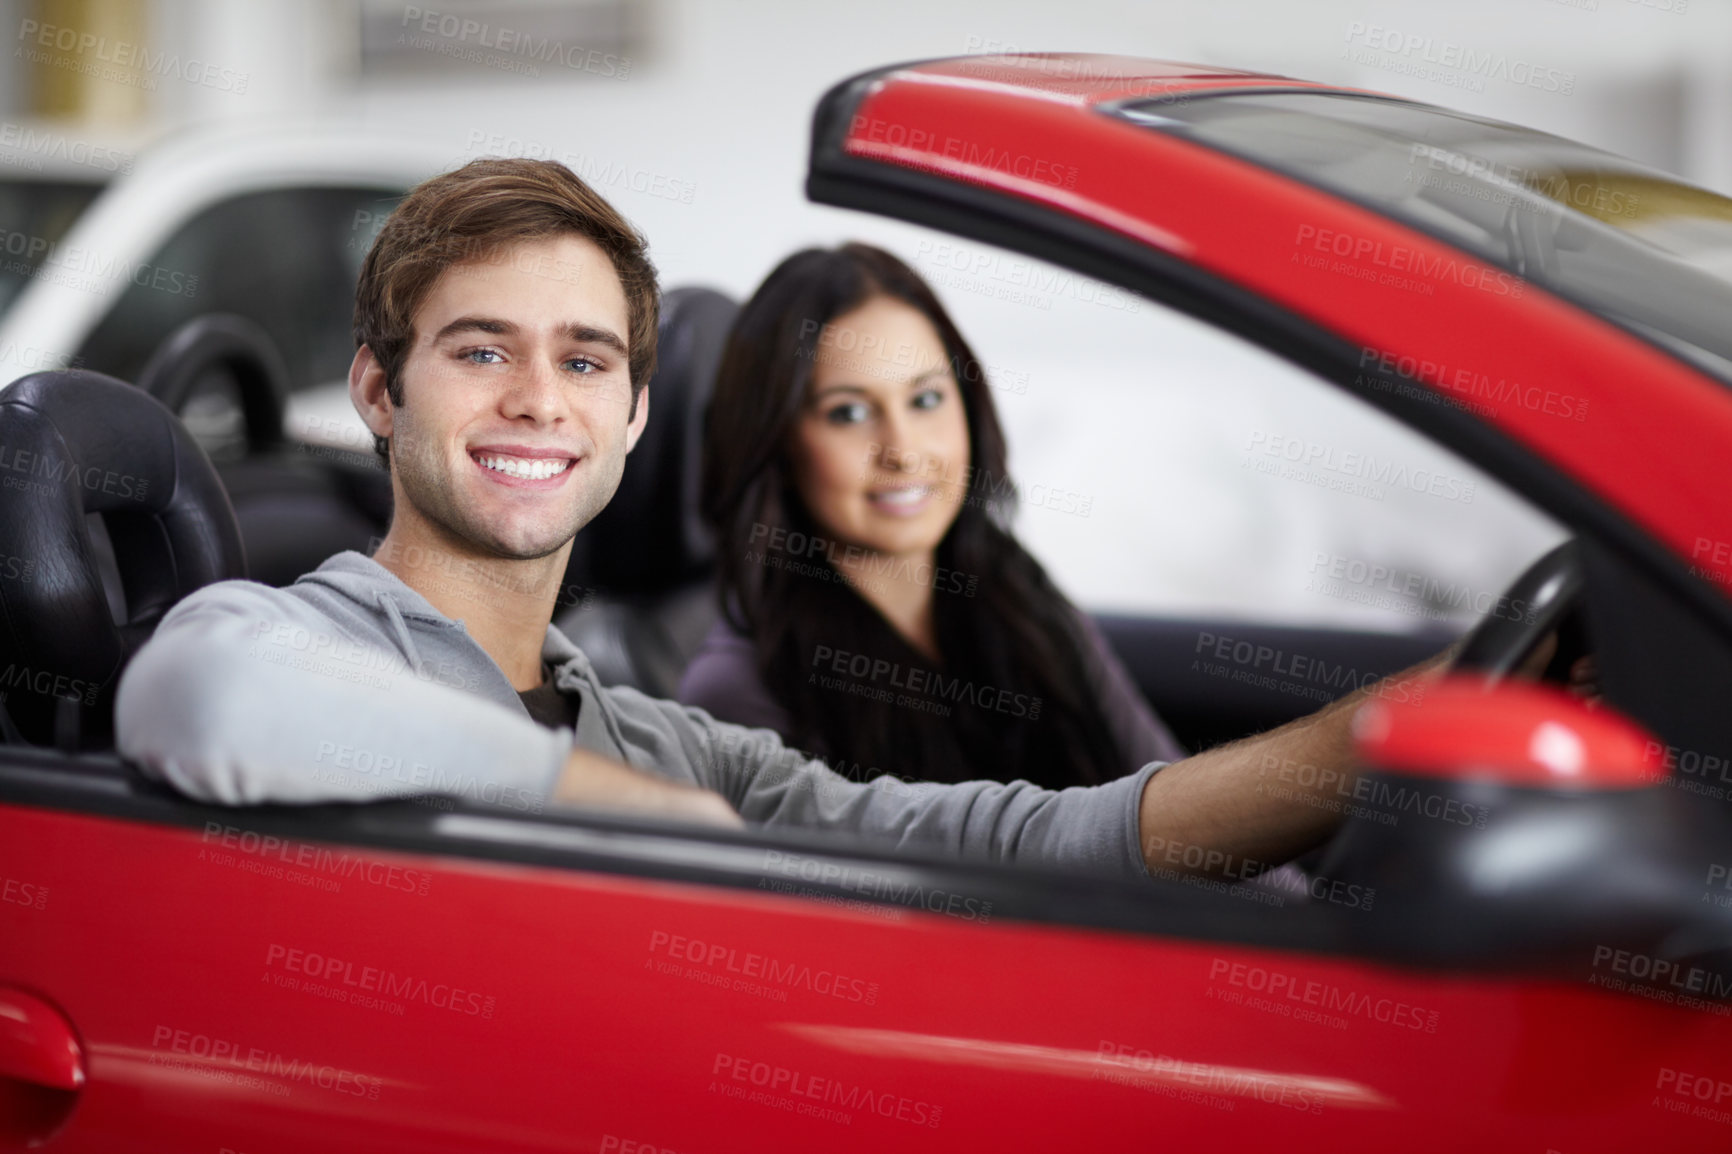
column 349, row 685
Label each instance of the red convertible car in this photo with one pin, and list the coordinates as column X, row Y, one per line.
column 1520, row 939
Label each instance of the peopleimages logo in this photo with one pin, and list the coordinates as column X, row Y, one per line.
column 1370, row 797
column 498, row 45
column 609, row 175
column 1361, row 474
column 1418, row 52
column 1219, row 864
column 852, row 559
column 1693, row 1094
column 884, row 887
column 373, row 980
column 230, row 1061
column 47, row 683
column 120, row 61
column 1127, row 1065
column 38, row 142
column 1475, row 386
column 857, row 673
column 316, row 860
column 1311, row 677
column 963, row 150
column 1428, row 596
column 22, row 893
column 1478, row 177
column 1014, row 279
column 286, row 643
column 795, row 1090
column 1665, row 760
column 1400, row 258
column 762, row 968
column 28, row 468
column 1323, row 996
column 1662, row 979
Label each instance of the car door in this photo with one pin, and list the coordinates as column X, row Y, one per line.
column 405, row 977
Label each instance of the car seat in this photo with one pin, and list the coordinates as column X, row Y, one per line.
column 296, row 504
column 91, row 466
column 641, row 573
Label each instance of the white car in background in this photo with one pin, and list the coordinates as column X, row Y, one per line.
column 105, row 252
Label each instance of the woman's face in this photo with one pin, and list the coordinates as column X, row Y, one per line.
column 880, row 448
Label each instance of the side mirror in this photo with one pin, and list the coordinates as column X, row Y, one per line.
column 1512, row 733
column 1512, row 826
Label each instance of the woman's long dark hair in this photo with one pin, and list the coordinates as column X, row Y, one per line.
column 999, row 621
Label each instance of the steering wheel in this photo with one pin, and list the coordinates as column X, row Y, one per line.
column 1547, row 597
column 1544, row 598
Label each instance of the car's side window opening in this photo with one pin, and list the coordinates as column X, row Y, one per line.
column 1172, row 469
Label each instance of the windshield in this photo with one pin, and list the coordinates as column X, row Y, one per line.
column 1628, row 241
column 36, row 215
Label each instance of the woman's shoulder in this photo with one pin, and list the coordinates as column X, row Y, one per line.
column 722, row 679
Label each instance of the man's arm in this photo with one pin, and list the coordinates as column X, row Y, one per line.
column 243, row 696
column 590, row 781
column 1211, row 803
column 1244, row 802
column 1091, row 829
column 1269, row 798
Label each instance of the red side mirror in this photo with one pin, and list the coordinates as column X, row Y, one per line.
column 1516, row 733
column 1514, row 827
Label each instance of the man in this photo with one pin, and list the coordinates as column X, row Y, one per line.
column 506, row 321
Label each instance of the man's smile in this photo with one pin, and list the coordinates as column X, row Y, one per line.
column 523, row 466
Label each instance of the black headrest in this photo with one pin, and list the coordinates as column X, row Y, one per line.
column 238, row 347
column 74, row 443
column 650, row 538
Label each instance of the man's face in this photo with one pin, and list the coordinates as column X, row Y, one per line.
column 516, row 392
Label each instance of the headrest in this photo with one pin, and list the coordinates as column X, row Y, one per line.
column 74, row 443
column 240, row 348
column 650, row 538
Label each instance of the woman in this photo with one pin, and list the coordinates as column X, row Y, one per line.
column 876, row 610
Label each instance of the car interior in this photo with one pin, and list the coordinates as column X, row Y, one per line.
column 638, row 596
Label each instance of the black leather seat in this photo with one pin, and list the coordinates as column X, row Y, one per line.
column 644, row 566
column 73, row 444
column 296, row 505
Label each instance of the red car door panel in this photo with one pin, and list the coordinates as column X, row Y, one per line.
column 247, row 991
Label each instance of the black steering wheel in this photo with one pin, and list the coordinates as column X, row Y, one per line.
column 1544, row 598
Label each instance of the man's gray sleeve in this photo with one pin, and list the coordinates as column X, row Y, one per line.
column 1092, row 829
column 244, row 695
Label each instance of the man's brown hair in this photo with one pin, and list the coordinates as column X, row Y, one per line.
column 473, row 213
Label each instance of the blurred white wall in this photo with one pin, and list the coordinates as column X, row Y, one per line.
column 719, row 96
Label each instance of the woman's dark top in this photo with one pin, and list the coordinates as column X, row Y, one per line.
column 723, row 679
